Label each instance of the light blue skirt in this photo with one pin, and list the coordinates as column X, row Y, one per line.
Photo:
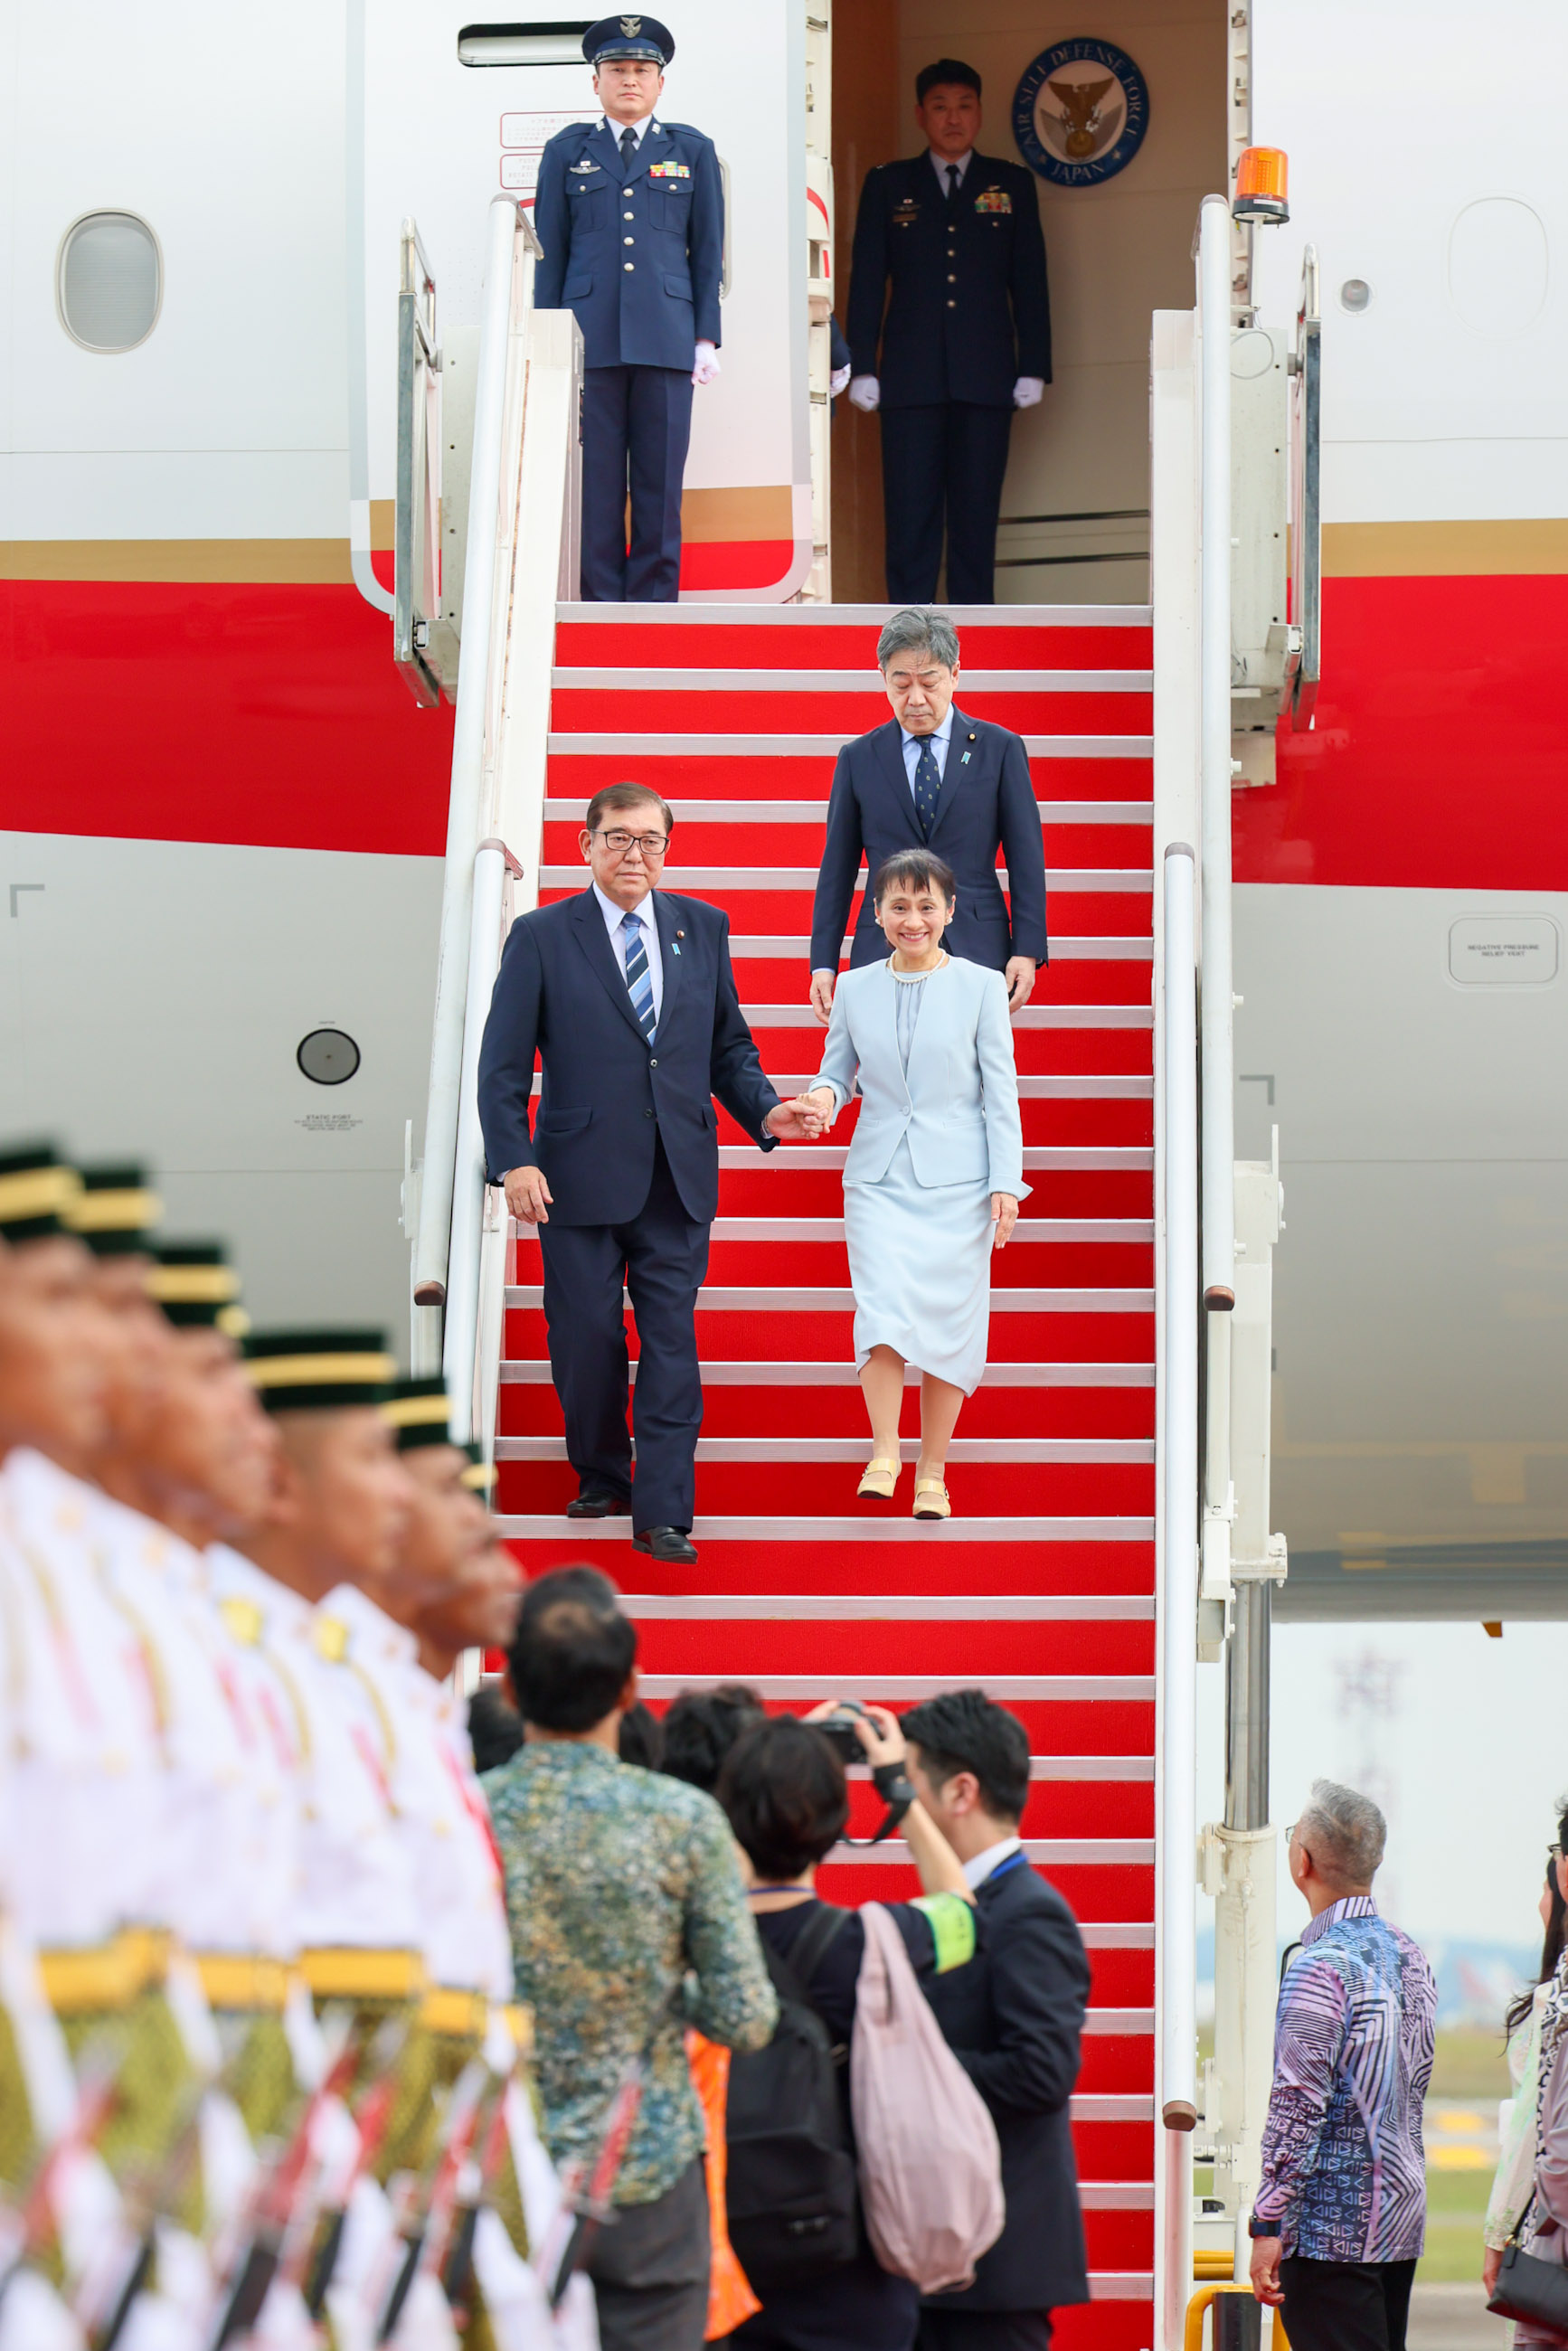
column 920, row 1263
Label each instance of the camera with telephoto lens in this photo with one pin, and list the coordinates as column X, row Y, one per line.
column 838, row 1729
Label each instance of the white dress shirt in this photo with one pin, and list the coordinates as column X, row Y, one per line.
column 938, row 742
column 615, row 924
column 984, row 1865
column 939, row 165
column 639, row 129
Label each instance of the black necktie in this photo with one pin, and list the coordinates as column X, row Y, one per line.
column 952, row 185
column 927, row 783
column 628, row 147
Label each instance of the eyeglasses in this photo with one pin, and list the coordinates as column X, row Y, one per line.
column 652, row 844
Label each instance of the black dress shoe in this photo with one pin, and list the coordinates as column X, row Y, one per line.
column 595, row 1501
column 674, row 1545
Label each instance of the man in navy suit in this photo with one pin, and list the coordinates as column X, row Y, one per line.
column 629, row 999
column 630, row 213
column 1013, row 2018
column 966, row 340
column 955, row 784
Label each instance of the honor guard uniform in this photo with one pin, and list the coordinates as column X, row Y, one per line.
column 966, row 340
column 630, row 217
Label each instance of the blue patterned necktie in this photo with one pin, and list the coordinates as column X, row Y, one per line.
column 927, row 785
column 639, row 978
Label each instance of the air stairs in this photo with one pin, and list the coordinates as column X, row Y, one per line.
column 1040, row 1589
column 1095, row 1554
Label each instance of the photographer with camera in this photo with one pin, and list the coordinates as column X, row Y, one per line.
column 783, row 1788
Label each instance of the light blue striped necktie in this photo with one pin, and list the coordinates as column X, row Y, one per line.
column 639, row 978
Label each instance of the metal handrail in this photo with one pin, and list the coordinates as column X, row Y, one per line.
column 493, row 863
column 1219, row 1141
column 505, row 286
column 1306, row 504
column 1178, row 1653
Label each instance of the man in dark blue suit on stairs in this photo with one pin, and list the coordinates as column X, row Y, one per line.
column 630, row 213
column 936, row 777
column 966, row 340
column 627, row 996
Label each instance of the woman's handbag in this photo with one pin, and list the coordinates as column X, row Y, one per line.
column 1530, row 2290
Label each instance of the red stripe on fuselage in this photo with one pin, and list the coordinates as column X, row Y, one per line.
column 269, row 716
column 1437, row 761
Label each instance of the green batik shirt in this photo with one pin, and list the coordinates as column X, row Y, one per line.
column 629, row 1922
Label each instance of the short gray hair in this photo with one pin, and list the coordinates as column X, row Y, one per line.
column 1345, row 1832
column 918, row 629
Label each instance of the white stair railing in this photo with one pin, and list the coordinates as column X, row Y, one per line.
column 522, row 557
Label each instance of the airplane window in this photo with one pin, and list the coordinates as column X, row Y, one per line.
column 558, row 43
column 110, row 281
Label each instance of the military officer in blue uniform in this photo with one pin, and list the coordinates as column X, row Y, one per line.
column 630, row 212
column 965, row 339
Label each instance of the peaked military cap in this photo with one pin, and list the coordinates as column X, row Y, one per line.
column 318, row 1371
column 628, row 36
column 480, row 1474
column 116, row 1209
column 417, row 1412
column 37, row 1189
column 197, row 1288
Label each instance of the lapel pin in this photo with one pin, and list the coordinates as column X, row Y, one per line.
column 677, row 942
column 965, row 760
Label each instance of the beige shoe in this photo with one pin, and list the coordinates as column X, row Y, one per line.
column 930, row 1499
column 879, row 1482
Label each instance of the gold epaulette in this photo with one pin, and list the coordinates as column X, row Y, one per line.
column 455, row 2013
column 343, row 1971
column 242, row 1980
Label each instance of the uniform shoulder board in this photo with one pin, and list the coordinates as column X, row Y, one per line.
column 330, row 1635
column 243, row 1618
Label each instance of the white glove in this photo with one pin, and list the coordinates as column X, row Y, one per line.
column 866, row 393
column 707, row 367
column 1029, row 392
column 838, row 379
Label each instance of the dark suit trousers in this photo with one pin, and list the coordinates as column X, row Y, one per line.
column 636, row 423
column 1346, row 2305
column 943, row 463
column 983, row 2330
column 650, row 2270
column 661, row 1255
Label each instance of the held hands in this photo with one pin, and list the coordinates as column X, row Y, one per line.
column 1266, row 2271
column 707, row 367
column 1004, row 1215
column 1019, row 976
column 529, row 1196
column 800, row 1120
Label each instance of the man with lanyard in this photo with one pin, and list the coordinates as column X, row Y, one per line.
column 630, row 212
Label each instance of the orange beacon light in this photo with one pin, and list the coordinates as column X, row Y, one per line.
column 1261, row 175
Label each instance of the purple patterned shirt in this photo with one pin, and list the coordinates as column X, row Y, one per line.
column 1344, row 2175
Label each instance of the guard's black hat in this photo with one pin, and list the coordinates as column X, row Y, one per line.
column 318, row 1371
column 116, row 1209
column 417, row 1412
column 197, row 1288
column 628, row 36
column 37, row 1189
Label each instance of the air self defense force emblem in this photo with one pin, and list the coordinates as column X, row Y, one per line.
column 1079, row 113
column 630, row 27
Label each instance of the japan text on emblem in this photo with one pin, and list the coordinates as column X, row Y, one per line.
column 1079, row 112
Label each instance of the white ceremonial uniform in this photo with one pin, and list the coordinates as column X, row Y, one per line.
column 80, row 1723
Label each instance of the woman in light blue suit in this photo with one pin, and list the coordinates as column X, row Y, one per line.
column 934, row 1174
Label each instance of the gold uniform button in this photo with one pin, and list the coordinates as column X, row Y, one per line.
column 951, row 304
column 629, row 264
column 627, row 215
column 952, row 279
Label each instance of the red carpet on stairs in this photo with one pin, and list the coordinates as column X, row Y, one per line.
column 1042, row 1587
